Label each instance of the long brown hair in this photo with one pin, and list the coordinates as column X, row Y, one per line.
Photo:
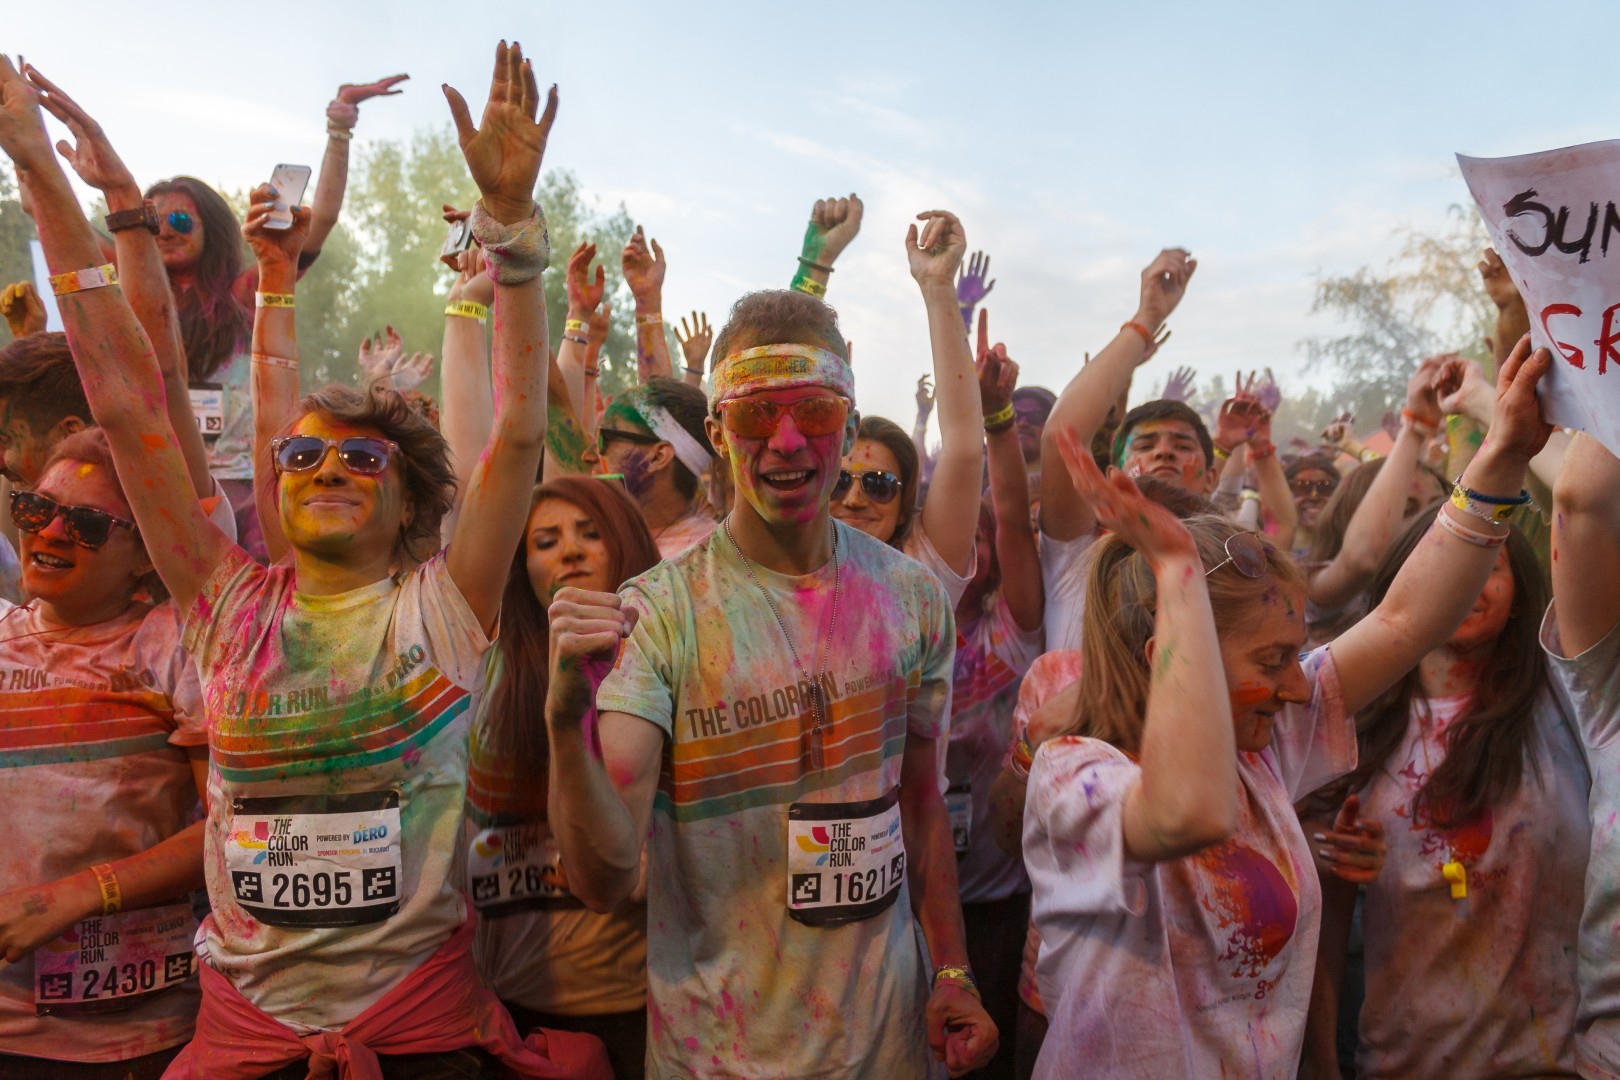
column 213, row 325
column 517, row 701
column 892, row 436
column 1122, row 599
column 1485, row 745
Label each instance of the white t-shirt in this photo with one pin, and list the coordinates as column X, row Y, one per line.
column 1064, row 566
column 917, row 546
column 1197, row 967
column 339, row 730
column 94, row 726
column 1482, row 988
column 682, row 534
column 1590, row 687
column 742, row 981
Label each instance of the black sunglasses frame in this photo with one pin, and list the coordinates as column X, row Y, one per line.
column 607, row 435
column 73, row 519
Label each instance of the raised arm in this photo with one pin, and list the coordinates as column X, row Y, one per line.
column 341, row 116
column 950, row 517
column 1373, row 526
column 1016, row 553
column 971, row 287
column 1464, row 391
column 644, row 273
column 584, row 296
column 1586, row 539
column 1443, row 576
column 140, row 266
column 468, row 411
column 834, row 223
column 503, row 154
column 115, row 360
column 695, row 342
column 1083, row 406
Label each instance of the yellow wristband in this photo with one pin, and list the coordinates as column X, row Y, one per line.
column 273, row 299
column 577, row 325
column 655, row 319
column 467, row 309
column 112, row 897
column 811, row 287
column 1222, row 455
column 1000, row 417
column 94, row 277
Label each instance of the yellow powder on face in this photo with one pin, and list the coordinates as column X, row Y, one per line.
column 85, row 470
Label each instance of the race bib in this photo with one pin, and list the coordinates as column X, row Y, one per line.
column 316, row 860
column 959, row 804
column 845, row 860
column 208, row 406
column 111, row 962
column 517, row 868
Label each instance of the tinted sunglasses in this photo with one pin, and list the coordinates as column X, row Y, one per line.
column 180, row 222
column 85, row 525
column 758, row 418
column 1304, row 489
column 879, row 486
column 360, row 454
column 607, row 435
column 1246, row 554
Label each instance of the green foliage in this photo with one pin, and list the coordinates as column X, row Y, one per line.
column 16, row 230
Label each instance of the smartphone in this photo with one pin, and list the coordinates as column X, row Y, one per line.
column 289, row 182
column 458, row 239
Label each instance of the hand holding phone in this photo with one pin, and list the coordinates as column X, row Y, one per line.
column 289, row 182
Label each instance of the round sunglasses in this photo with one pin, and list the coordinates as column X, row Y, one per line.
column 879, row 486
column 360, row 454
column 758, row 418
column 1246, row 553
column 181, row 222
column 86, row 526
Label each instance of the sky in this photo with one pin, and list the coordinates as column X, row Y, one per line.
column 1276, row 141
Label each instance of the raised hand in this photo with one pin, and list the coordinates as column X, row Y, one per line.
column 971, row 287
column 934, row 257
column 504, row 151
column 1164, row 283
column 833, row 224
column 1354, row 850
column 1463, row 389
column 583, row 295
column 473, row 283
column 1422, row 399
column 1178, row 385
column 925, row 396
column 643, row 269
column 274, row 247
column 1341, row 433
column 598, row 324
column 91, row 155
column 1268, row 393
column 22, row 129
column 1498, row 282
column 586, row 628
column 22, row 308
column 409, row 373
column 1242, row 421
column 695, row 341
column 1119, row 504
column 998, row 376
column 1517, row 426
column 379, row 354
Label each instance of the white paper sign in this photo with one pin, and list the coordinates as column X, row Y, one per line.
column 1554, row 217
column 42, row 285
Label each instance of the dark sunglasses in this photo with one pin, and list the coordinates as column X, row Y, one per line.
column 360, row 454
column 1246, row 554
column 879, row 486
column 181, row 222
column 758, row 418
column 1304, row 489
column 85, row 525
column 607, row 435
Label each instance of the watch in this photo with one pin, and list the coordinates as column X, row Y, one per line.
column 144, row 218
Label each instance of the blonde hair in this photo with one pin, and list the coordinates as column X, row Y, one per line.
column 1121, row 604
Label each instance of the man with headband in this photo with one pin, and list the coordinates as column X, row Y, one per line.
column 770, row 724
column 653, row 437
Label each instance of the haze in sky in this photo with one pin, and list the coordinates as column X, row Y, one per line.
column 1275, row 141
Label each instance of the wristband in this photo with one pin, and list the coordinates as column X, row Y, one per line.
column 1426, row 428
column 811, row 287
column 592, row 372
column 694, row 371
column 654, row 319
column 112, row 897
column 1142, row 331
column 1249, row 495
column 1023, row 756
column 1463, row 532
column 576, row 339
column 93, row 277
column 957, row 974
column 1221, row 454
column 1368, row 454
column 1485, row 507
column 274, row 300
column 467, row 309
column 514, row 253
column 275, row 361
column 338, row 131
column 575, row 325
column 142, row 217
column 815, row 265
column 1001, row 419
column 1259, row 451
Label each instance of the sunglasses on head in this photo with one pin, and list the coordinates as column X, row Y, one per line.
column 758, row 418
column 1246, row 554
column 86, row 526
column 607, row 435
column 360, row 454
column 879, row 486
column 1305, row 488
column 180, row 222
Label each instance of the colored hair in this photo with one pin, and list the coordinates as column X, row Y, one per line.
column 1121, row 604
column 891, row 436
column 424, row 457
column 779, row 317
column 40, row 383
column 686, row 404
column 1164, row 409
column 213, row 326
column 89, row 446
column 517, row 701
column 1486, row 743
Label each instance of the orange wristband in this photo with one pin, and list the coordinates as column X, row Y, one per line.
column 1142, row 331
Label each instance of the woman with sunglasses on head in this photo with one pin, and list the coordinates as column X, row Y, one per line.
column 339, row 692
column 552, row 961
column 652, row 436
column 103, row 761
column 1474, row 769
column 1175, row 893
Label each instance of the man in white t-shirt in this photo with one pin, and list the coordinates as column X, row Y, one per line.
column 769, row 727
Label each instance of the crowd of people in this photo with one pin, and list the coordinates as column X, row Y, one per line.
column 721, row 730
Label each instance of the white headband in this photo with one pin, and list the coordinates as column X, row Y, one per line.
column 691, row 453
